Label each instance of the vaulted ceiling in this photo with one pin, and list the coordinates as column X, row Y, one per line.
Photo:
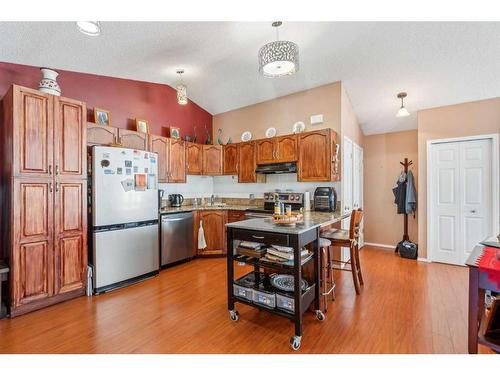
column 436, row 63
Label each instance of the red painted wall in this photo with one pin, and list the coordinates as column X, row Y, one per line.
column 125, row 99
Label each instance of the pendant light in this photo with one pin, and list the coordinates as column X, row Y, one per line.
column 279, row 58
column 91, row 28
column 403, row 112
column 182, row 98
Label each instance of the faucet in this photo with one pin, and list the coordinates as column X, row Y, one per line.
column 212, row 200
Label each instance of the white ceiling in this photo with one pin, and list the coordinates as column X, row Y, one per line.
column 436, row 63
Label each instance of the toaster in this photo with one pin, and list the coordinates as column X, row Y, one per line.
column 325, row 199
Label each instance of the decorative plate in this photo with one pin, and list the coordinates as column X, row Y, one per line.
column 285, row 282
column 246, row 136
column 271, row 132
column 298, row 127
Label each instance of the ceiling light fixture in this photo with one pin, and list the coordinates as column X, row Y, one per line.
column 279, row 58
column 92, row 28
column 403, row 112
column 182, row 98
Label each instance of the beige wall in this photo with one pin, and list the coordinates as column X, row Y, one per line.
column 382, row 154
column 460, row 120
column 282, row 113
column 349, row 123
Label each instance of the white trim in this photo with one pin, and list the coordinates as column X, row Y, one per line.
column 495, row 189
column 392, row 247
column 425, row 260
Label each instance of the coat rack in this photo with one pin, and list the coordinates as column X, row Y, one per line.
column 405, row 165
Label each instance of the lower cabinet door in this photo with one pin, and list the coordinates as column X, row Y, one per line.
column 215, row 232
column 32, row 273
column 70, row 236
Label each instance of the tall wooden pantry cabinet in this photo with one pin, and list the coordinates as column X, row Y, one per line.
column 44, row 187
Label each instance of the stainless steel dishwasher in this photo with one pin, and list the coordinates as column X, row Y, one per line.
column 177, row 233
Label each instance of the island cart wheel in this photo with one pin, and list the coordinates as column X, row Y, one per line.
column 320, row 316
column 295, row 342
column 234, row 315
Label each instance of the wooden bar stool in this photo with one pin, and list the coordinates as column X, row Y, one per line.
column 328, row 284
column 350, row 239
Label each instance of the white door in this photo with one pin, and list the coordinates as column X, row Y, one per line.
column 347, row 187
column 460, row 198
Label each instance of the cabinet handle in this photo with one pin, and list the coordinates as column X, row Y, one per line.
column 50, row 187
column 50, row 170
column 258, row 237
column 57, row 186
column 57, row 170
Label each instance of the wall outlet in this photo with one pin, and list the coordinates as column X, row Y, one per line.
column 316, row 119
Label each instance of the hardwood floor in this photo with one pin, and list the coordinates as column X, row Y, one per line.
column 405, row 307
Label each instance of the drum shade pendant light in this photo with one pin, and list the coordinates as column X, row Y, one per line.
column 403, row 112
column 92, row 28
column 279, row 58
column 182, row 98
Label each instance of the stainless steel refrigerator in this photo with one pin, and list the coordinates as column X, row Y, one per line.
column 124, row 216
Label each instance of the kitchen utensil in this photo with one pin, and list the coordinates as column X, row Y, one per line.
column 286, row 282
column 298, row 127
column 175, row 200
column 271, row 132
column 246, row 136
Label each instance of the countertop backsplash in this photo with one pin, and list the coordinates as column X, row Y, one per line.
column 228, row 186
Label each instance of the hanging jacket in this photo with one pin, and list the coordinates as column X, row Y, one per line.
column 411, row 194
column 399, row 192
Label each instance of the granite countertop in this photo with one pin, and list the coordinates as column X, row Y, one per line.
column 189, row 208
column 312, row 219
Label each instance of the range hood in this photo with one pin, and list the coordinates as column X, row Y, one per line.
column 276, row 168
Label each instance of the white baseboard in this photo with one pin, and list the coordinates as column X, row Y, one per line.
column 392, row 247
column 424, row 260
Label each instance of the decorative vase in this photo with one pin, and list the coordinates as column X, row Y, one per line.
column 48, row 83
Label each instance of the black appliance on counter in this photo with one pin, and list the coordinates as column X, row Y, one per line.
column 325, row 199
column 175, row 200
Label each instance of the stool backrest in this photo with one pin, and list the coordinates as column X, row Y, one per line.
column 356, row 217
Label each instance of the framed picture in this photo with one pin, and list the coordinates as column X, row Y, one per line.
column 102, row 117
column 141, row 125
column 175, row 132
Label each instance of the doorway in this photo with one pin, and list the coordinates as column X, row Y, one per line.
column 462, row 196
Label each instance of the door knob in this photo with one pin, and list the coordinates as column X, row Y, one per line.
column 472, row 211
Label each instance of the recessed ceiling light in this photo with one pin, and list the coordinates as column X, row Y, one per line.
column 403, row 112
column 92, row 28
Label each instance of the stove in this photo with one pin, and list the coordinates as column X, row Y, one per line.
column 296, row 200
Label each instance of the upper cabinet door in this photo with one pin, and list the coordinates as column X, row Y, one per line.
column 335, row 155
column 133, row 139
column 160, row 146
column 70, row 138
column 177, row 161
column 314, row 156
column 99, row 135
column 212, row 160
column 286, row 148
column 230, row 162
column 33, row 133
column 194, row 157
column 246, row 162
column 266, row 152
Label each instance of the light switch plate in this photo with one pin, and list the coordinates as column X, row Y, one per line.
column 316, row 119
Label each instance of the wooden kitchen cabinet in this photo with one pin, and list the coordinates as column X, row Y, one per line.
column 194, row 158
column 235, row 215
column 277, row 150
column 133, row 139
column 176, row 161
column 99, row 135
column 212, row 160
column 247, row 162
column 316, row 151
column 214, row 222
column 160, row 145
column 44, row 206
column 230, row 159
